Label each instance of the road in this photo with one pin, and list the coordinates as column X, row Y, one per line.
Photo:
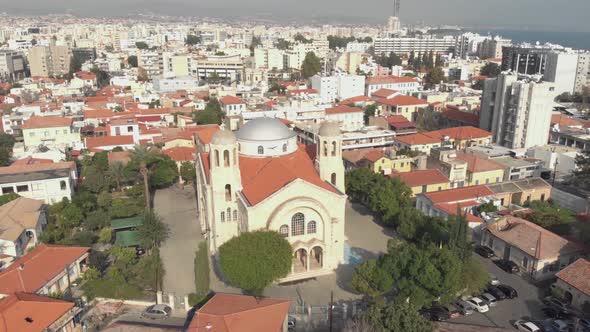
column 178, row 210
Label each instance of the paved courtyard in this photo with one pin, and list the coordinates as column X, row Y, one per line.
column 177, row 207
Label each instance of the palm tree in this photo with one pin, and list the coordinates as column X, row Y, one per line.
column 143, row 155
column 117, row 173
column 152, row 232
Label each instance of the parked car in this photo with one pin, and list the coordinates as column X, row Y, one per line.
column 479, row 304
column 157, row 311
column 560, row 325
column 556, row 303
column 508, row 266
column 508, row 292
column 436, row 313
column 545, row 325
column 465, row 308
column 554, row 313
column 484, row 251
column 489, row 299
column 494, row 280
column 526, row 326
column 584, row 323
column 496, row 292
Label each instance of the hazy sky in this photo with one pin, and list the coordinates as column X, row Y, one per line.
column 566, row 15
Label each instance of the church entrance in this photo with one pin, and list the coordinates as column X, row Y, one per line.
column 300, row 261
column 317, row 258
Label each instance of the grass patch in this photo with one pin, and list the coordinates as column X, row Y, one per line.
column 201, row 275
column 111, row 289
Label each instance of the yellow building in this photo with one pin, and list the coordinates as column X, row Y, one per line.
column 378, row 160
column 481, row 171
column 458, row 138
column 262, row 179
column 423, row 181
column 50, row 131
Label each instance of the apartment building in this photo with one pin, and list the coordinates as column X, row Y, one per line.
column 50, row 60
column 269, row 58
column 50, row 131
column 226, row 67
column 492, row 47
column 406, row 45
column 13, row 65
column 339, row 86
column 582, row 73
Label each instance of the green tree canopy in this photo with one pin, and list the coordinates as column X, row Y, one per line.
column 192, row 40
column 142, row 45
column 490, row 69
column 311, row 65
column 435, row 76
column 253, row 260
column 132, row 61
column 370, row 111
column 152, row 231
column 212, row 114
column 188, row 171
column 398, row 317
column 549, row 214
column 301, row 38
column 388, row 60
column 283, row 44
column 6, row 144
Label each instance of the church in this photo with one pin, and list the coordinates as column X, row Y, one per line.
column 261, row 178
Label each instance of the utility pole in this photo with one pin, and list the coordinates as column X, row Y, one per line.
column 331, row 309
column 554, row 171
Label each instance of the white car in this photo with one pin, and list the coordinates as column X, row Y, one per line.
column 560, row 325
column 479, row 304
column 494, row 280
column 489, row 299
column 526, row 326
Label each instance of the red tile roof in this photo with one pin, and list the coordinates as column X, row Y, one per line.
column 459, row 194
column 181, row 153
column 85, row 75
column 39, row 266
column 564, row 121
column 389, row 80
column 231, row 100
column 36, row 122
column 374, row 155
column 451, row 209
column 99, row 114
column 36, row 167
column 31, row 161
column 476, row 164
column 402, row 100
column 421, row 177
column 302, row 91
column 384, row 93
column 240, row 313
column 341, row 109
column 31, row 313
column 357, row 99
column 417, row 139
column 102, row 141
column 399, row 122
column 577, row 275
column 205, row 132
column 464, row 117
column 459, row 133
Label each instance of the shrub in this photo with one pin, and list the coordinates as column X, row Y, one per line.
column 201, row 273
column 91, row 274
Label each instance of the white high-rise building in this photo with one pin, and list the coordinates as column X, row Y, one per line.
column 339, row 86
column 582, row 73
column 560, row 68
column 517, row 111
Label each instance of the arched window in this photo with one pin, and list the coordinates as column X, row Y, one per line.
column 285, row 147
column 334, row 148
column 260, row 149
column 284, row 230
column 311, row 227
column 226, row 158
column 228, row 214
column 217, row 158
column 228, row 192
column 222, row 216
column 333, row 178
column 326, row 148
column 298, row 224
column 235, row 215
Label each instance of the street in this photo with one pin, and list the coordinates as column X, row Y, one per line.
column 178, row 210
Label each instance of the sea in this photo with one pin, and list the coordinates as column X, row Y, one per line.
column 576, row 40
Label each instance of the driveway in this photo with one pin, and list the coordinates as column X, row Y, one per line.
column 178, row 210
column 527, row 305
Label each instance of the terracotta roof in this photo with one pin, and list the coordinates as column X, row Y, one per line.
column 357, row 99
column 374, row 155
column 302, row 91
column 384, row 93
column 461, row 133
column 464, row 117
column 451, row 209
column 459, row 194
column 564, row 121
column 181, row 153
column 31, row 161
column 39, row 266
column 341, row 109
column 240, row 313
column 31, row 313
column 205, row 132
column 101, row 141
column 99, row 114
column 36, row 122
column 40, row 167
column 389, row 80
column 17, row 216
column 399, row 122
column 85, row 75
column 402, row 100
column 476, row 164
column 417, row 139
column 261, row 177
column 421, row 177
column 231, row 100
column 532, row 239
column 576, row 275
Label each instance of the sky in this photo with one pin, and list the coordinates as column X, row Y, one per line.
column 555, row 15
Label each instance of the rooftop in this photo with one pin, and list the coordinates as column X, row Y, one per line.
column 32, row 313
column 459, row 194
column 576, row 275
column 108, row 141
column 421, row 177
column 38, row 122
column 17, row 216
column 36, row 172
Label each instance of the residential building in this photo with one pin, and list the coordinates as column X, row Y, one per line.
column 50, row 183
column 124, row 127
column 458, row 138
column 232, row 105
column 557, row 158
column 384, row 161
column 21, row 222
column 349, row 118
column 582, row 72
column 338, row 87
column 539, row 253
column 573, row 281
column 398, row 123
column 481, row 171
column 50, row 131
column 50, row 60
column 226, row 67
column 107, row 143
column 13, row 65
column 150, row 62
column 492, row 47
column 561, row 69
column 406, row 45
column 261, row 178
column 423, row 181
column 517, row 168
column 233, row 312
column 525, row 59
column 269, row 58
column 404, row 85
column 521, row 192
column 517, row 112
column 172, row 84
column 406, row 106
column 46, row 269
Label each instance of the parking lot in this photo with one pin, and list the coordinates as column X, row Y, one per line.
column 527, row 306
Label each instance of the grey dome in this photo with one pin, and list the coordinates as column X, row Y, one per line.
column 264, row 129
column 223, row 137
column 329, row 129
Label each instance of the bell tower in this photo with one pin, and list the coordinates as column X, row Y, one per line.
column 328, row 161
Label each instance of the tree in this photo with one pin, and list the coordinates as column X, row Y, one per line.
column 132, row 61
column 370, row 111
column 117, row 173
column 398, row 317
column 188, row 171
column 212, row 114
column 143, row 156
column 311, row 65
column 192, row 40
column 475, row 276
column 76, row 63
column 214, row 78
column 253, row 260
column 102, row 77
column 283, row 44
column 6, row 144
column 581, row 176
column 458, row 239
column 435, row 76
column 6, row 198
column 141, row 45
column 301, row 39
column 490, row 69
column 142, row 75
column 163, row 171
column 370, row 279
column 336, row 42
column 548, row 214
column 152, row 231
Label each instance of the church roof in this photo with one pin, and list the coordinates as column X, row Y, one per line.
column 264, row 129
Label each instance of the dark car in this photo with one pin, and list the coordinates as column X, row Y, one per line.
column 555, row 313
column 508, row 266
column 484, row 251
column 436, row 313
column 508, row 291
column 496, row 292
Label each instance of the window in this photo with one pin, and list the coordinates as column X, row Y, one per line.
column 333, row 148
column 424, row 188
column 65, row 131
column 285, row 147
column 222, row 216
column 226, row 158
column 487, row 181
column 311, row 227
column 23, row 188
column 525, row 262
column 62, row 185
column 333, row 178
column 542, row 197
column 284, row 230
column 476, row 182
column 216, row 157
column 228, row 214
column 7, row 190
column 227, row 192
column 235, row 215
column 298, row 224
column 326, row 148
column 260, row 149
column 129, row 129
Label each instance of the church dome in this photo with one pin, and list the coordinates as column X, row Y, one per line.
column 264, row 129
column 223, row 137
column 329, row 129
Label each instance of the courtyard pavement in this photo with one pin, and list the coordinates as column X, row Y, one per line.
column 178, row 209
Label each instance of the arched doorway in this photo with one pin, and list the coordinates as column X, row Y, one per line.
column 300, row 261
column 567, row 297
column 317, row 258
